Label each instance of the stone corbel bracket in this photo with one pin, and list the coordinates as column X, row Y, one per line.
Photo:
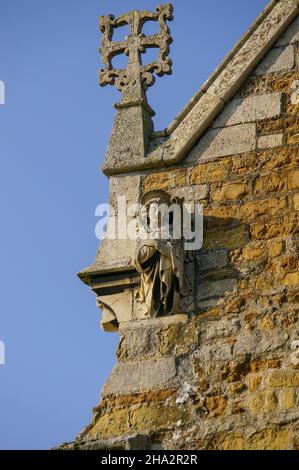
column 171, row 146
column 114, row 293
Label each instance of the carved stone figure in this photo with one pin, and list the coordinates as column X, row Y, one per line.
column 159, row 258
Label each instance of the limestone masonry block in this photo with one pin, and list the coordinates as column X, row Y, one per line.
column 165, row 180
column 232, row 191
column 201, row 114
column 230, row 238
column 284, row 378
column 195, row 193
column 291, row 279
column 263, row 402
column 266, row 439
column 293, row 179
column 293, row 138
column 269, row 207
column 124, row 185
column 275, row 248
column 269, row 183
column 251, row 109
column 278, row 60
column 216, row 259
column 270, row 141
column 227, row 141
column 130, row 377
column 291, row 36
column 216, row 405
column 210, row 172
column 287, row 399
column 215, row 289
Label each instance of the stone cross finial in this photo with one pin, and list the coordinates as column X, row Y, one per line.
column 136, row 78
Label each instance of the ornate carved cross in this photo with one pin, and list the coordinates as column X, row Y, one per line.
column 136, row 78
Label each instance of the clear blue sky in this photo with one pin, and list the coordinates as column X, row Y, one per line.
column 54, row 130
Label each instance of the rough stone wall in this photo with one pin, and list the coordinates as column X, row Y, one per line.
column 228, row 377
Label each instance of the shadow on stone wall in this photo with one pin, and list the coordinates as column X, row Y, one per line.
column 215, row 275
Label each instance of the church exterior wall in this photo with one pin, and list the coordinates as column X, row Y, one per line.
column 227, row 377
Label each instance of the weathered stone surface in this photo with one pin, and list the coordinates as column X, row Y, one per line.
column 223, row 329
column 210, row 172
column 293, row 179
column 291, row 36
column 270, row 206
column 124, row 185
column 230, row 238
column 118, row 253
column 149, row 416
column 218, row 289
column 259, row 343
column 130, row 377
column 284, row 378
column 133, row 125
column 250, row 109
column 293, row 138
column 165, row 180
column 141, row 342
column 287, row 399
column 152, row 322
column 177, row 340
column 224, row 376
column 268, row 184
column 278, row 60
column 270, row 141
column 135, row 442
column 175, row 184
column 195, row 193
column 216, row 352
column 216, row 405
column 290, row 123
column 283, row 225
column 120, row 305
column 226, row 141
column 253, row 50
column 275, row 248
column 199, row 117
column 213, row 260
column 253, row 251
column 194, row 120
column 291, row 279
column 231, row 191
column 267, row 439
column 263, row 402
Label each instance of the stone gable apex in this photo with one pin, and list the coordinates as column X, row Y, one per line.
column 171, row 147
